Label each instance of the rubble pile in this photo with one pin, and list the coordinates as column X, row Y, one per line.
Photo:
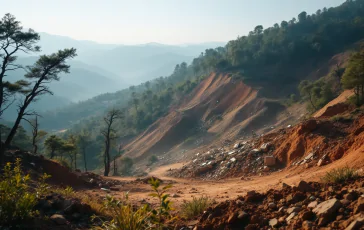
column 307, row 206
column 241, row 159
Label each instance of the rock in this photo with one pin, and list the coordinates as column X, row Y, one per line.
column 307, row 225
column 307, row 126
column 293, row 209
column 303, row 186
column 265, row 147
column 345, row 202
column 272, row 206
column 242, row 215
column 327, row 210
column 312, row 205
column 253, row 196
column 359, row 207
column 355, row 225
column 284, row 185
column 307, row 215
column 269, row 161
column 58, row 219
column 237, row 145
column 175, row 195
column 232, row 218
column 290, row 217
column 320, row 163
column 273, row 222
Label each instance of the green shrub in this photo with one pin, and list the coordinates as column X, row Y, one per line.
column 340, row 175
column 153, row 159
column 16, row 202
column 127, row 217
column 195, row 207
column 342, row 118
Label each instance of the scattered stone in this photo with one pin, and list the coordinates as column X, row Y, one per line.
column 290, row 217
column 359, row 207
column 293, row 209
column 58, row 219
column 269, row 161
column 312, row 205
column 273, row 222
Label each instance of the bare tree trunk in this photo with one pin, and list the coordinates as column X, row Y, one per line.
column 75, row 156
column 52, row 153
column 107, row 158
column 313, row 105
column 84, row 158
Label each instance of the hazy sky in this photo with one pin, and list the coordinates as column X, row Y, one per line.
column 163, row 21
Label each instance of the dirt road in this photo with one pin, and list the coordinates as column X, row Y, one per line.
column 185, row 189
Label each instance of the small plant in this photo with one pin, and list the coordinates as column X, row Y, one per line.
column 195, row 207
column 43, row 187
column 162, row 213
column 125, row 216
column 340, row 175
column 16, row 202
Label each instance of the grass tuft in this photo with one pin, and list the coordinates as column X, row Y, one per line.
column 195, row 207
column 340, row 175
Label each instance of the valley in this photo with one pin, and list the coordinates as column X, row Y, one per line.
column 265, row 131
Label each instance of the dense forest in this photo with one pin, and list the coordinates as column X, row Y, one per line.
column 263, row 57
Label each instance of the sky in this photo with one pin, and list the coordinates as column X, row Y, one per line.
column 161, row 21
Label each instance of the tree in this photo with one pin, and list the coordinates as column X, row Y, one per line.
column 45, row 70
column 353, row 77
column 37, row 135
column 52, row 144
column 72, row 141
column 83, row 142
column 109, row 134
column 258, row 29
column 13, row 39
column 70, row 150
column 305, row 88
column 302, row 16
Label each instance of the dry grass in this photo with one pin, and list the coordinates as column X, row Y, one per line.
column 195, row 207
column 340, row 175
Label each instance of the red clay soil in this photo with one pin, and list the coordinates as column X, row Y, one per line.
column 229, row 108
column 37, row 165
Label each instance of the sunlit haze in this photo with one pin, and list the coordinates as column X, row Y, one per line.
column 162, row 21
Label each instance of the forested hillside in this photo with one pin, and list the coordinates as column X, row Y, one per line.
column 278, row 57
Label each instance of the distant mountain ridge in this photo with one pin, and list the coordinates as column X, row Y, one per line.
column 132, row 64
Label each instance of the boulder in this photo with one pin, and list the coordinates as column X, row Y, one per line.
column 269, row 161
column 359, row 207
column 327, row 210
column 303, row 186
